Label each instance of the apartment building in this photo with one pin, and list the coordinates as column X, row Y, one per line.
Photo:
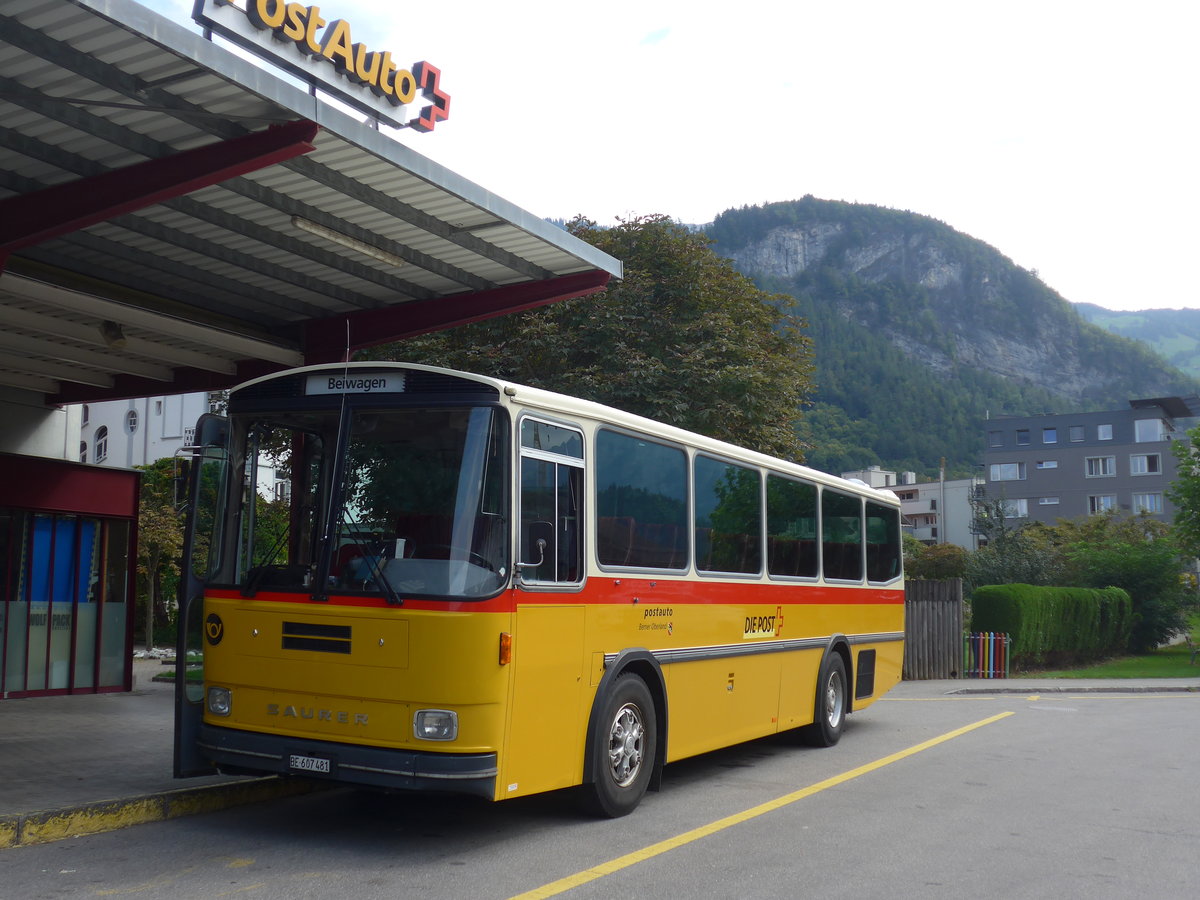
column 1054, row 467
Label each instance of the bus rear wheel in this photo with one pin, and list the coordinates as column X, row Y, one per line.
column 623, row 750
column 829, row 709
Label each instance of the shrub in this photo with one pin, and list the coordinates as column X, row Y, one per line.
column 1054, row 625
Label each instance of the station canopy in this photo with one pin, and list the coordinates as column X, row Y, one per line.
column 174, row 217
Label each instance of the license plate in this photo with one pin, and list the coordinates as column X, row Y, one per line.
column 309, row 764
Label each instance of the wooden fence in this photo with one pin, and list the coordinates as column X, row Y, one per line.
column 933, row 629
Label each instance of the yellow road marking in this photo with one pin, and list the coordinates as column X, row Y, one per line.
column 622, row 862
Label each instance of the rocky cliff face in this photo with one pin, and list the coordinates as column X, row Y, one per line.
column 943, row 299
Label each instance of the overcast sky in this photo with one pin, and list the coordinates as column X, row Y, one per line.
column 1062, row 133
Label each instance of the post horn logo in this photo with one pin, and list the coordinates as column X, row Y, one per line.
column 214, row 629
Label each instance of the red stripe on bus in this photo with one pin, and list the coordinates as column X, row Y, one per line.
column 604, row 591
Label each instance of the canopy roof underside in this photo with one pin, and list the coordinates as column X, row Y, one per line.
column 295, row 234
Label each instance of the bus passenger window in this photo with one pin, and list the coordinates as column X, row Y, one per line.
column 641, row 503
column 841, row 536
column 883, row 542
column 728, row 517
column 791, row 527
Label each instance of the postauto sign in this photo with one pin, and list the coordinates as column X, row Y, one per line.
column 323, row 52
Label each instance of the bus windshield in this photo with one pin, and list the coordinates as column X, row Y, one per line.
column 390, row 502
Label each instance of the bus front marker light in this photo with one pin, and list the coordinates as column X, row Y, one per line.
column 505, row 648
column 220, row 701
column 435, row 725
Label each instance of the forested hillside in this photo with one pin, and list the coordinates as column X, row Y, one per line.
column 920, row 332
column 1173, row 333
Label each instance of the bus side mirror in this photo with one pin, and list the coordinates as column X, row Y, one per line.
column 211, row 431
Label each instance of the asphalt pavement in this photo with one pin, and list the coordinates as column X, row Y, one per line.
column 82, row 764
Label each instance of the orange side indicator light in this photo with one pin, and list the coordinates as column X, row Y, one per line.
column 505, row 648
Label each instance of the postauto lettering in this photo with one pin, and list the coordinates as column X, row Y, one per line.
column 299, row 25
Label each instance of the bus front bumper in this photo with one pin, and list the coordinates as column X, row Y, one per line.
column 243, row 752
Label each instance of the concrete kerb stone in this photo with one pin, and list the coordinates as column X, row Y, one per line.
column 1059, row 689
column 45, row 826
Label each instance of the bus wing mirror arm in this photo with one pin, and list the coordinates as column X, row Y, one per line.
column 540, row 544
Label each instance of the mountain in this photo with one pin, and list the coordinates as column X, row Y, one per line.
column 922, row 332
column 1173, row 333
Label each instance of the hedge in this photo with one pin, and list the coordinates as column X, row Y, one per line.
column 1054, row 625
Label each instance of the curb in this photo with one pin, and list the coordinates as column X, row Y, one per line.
column 1059, row 689
column 46, row 826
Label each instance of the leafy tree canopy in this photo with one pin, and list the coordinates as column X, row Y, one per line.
column 1135, row 553
column 683, row 338
column 1185, row 492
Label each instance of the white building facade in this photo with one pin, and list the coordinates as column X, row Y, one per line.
column 136, row 432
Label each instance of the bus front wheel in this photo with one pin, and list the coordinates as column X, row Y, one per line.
column 623, row 750
column 829, row 709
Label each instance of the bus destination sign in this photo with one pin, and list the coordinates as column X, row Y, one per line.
column 374, row 383
column 298, row 39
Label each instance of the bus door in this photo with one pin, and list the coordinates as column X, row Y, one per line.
column 207, row 493
column 544, row 752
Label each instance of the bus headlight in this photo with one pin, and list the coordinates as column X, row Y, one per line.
column 435, row 725
column 220, row 701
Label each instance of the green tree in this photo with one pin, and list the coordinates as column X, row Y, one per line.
column 1149, row 571
column 1185, row 493
column 1011, row 555
column 939, row 562
column 1136, row 553
column 160, row 539
column 682, row 338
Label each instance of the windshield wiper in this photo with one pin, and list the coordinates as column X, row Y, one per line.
column 374, row 561
column 250, row 588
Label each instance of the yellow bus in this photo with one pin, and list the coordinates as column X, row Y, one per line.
column 473, row 586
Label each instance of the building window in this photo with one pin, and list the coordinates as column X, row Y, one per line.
column 1076, row 433
column 1016, row 509
column 1022, row 437
column 1145, row 464
column 1099, row 503
column 1047, row 463
column 995, row 438
column 101, row 443
column 83, row 451
column 86, row 414
column 1147, row 431
column 1049, row 435
column 1008, row 472
column 1101, row 466
column 1104, row 432
column 131, row 420
column 1047, row 501
column 158, row 407
column 1150, row 503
